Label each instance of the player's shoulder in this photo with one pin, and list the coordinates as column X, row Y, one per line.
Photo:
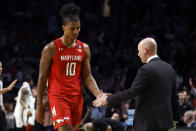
column 86, row 48
column 24, row 89
column 49, row 46
column 85, row 45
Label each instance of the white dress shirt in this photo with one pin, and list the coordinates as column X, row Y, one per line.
column 150, row 58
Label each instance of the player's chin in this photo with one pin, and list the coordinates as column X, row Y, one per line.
column 75, row 36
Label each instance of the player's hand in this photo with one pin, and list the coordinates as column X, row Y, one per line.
column 101, row 101
column 29, row 113
column 11, row 85
column 39, row 114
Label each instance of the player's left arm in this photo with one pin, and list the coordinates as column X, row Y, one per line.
column 86, row 73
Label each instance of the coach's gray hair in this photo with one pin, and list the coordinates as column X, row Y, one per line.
column 150, row 44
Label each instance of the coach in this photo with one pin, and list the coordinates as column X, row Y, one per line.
column 154, row 89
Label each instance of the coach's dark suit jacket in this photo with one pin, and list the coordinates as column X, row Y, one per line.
column 156, row 100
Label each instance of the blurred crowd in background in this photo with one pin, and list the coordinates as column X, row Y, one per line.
column 112, row 28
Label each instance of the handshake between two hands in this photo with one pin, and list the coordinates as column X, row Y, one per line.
column 101, row 99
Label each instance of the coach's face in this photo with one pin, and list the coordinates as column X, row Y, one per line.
column 142, row 52
column 1, row 68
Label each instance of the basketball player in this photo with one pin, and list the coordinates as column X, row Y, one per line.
column 23, row 111
column 65, row 62
column 3, row 122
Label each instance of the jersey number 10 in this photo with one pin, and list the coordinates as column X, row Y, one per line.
column 71, row 69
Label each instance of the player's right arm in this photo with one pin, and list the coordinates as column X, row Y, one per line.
column 45, row 63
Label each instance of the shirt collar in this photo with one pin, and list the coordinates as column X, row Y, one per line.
column 150, row 58
column 189, row 125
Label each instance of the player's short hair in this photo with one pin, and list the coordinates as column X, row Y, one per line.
column 28, row 78
column 69, row 12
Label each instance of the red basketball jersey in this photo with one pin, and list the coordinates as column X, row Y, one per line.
column 65, row 71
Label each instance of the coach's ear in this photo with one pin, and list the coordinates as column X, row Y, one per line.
column 145, row 51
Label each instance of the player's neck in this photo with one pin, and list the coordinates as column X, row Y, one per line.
column 68, row 43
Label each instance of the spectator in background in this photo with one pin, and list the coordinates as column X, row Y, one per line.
column 124, row 108
column 184, row 105
column 127, row 114
column 105, row 124
column 10, row 116
column 3, row 122
column 188, row 119
column 192, row 83
column 194, row 115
